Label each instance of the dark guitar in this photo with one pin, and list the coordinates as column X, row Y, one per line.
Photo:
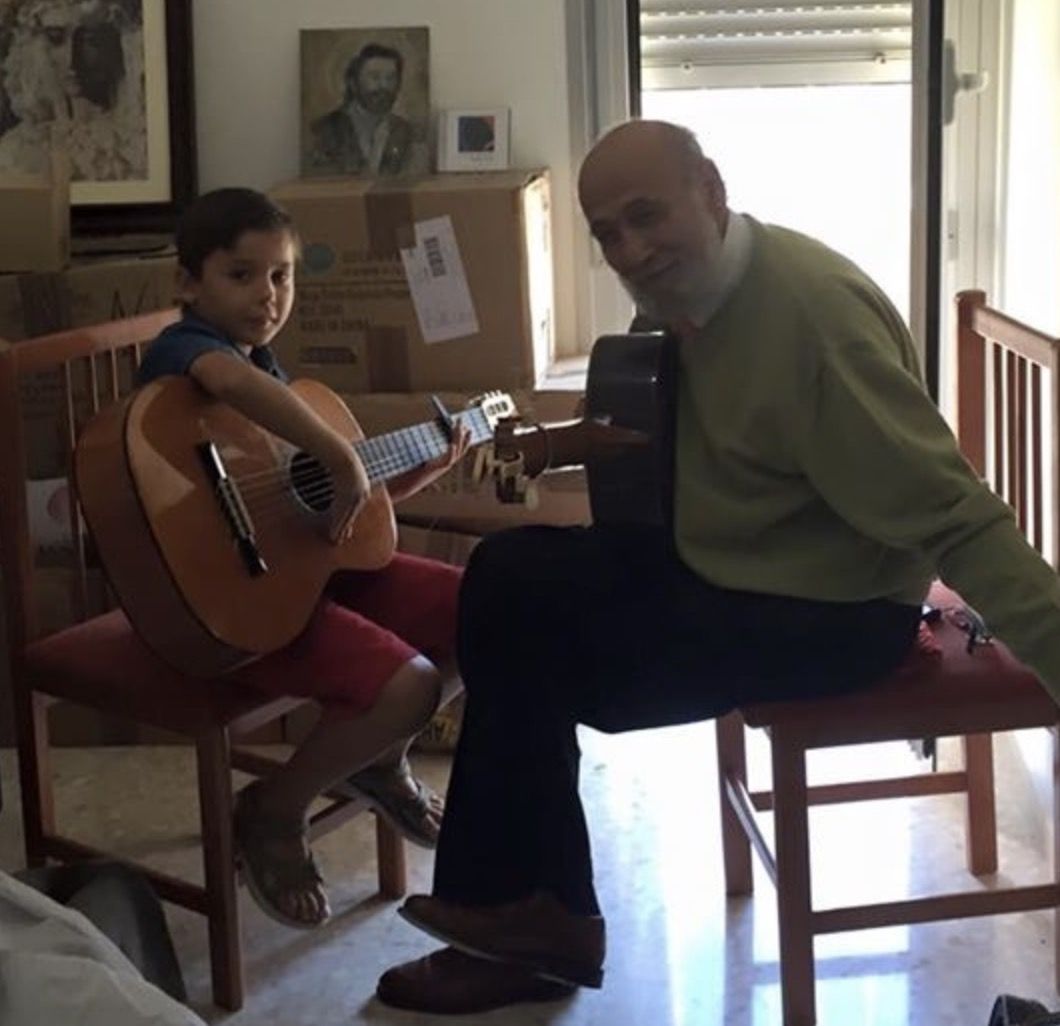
column 631, row 385
column 212, row 530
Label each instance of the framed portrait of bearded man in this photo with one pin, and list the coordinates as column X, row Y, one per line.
column 365, row 102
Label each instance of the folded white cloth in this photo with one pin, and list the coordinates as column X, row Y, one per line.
column 56, row 967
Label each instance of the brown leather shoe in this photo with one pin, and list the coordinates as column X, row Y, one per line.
column 448, row 982
column 535, row 932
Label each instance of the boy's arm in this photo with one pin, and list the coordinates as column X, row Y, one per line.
column 270, row 403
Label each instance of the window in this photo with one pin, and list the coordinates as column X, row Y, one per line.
column 807, row 110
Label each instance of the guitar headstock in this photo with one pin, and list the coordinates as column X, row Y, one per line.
column 494, row 406
column 483, row 414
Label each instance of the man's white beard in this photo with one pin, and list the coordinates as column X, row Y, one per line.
column 692, row 297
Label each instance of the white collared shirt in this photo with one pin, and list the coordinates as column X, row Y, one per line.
column 731, row 264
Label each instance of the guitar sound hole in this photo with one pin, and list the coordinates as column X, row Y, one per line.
column 311, row 482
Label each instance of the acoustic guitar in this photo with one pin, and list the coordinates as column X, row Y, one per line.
column 624, row 440
column 212, row 531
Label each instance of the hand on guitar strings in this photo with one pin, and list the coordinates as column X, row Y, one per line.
column 351, row 488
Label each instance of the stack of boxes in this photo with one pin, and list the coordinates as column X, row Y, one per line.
column 43, row 290
column 444, row 286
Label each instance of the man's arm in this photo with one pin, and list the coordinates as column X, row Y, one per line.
column 880, row 453
column 275, row 407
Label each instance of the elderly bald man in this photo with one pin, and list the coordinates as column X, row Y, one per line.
column 817, row 492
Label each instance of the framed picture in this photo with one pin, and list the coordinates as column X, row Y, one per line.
column 473, row 140
column 365, row 102
column 111, row 82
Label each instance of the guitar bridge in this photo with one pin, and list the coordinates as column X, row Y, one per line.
column 233, row 508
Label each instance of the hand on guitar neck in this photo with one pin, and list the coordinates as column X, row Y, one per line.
column 523, row 452
column 628, row 464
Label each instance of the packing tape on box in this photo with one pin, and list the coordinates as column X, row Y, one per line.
column 388, row 358
column 388, row 214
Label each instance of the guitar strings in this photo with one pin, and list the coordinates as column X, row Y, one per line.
column 271, row 497
column 313, row 474
column 375, row 458
column 286, row 504
column 368, row 454
column 264, row 500
column 314, row 486
column 395, row 444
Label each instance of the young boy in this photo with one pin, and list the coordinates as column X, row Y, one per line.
column 372, row 652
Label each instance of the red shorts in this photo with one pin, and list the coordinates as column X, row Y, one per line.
column 368, row 625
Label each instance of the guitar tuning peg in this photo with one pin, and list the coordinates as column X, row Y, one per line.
column 531, row 497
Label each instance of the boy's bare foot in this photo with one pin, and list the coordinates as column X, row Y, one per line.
column 278, row 866
column 409, row 805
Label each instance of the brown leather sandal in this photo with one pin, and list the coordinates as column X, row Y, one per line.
column 407, row 812
column 268, row 875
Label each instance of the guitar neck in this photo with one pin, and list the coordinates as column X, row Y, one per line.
column 387, row 456
column 549, row 446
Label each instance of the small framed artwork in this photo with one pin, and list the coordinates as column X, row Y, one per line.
column 473, row 140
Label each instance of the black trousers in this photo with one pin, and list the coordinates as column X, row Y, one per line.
column 606, row 627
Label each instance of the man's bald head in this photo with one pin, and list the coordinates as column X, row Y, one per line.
column 637, row 142
column 657, row 206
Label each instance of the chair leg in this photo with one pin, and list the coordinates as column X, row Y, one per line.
column 218, row 852
column 794, row 905
column 35, row 776
column 981, row 816
column 732, row 765
column 390, row 860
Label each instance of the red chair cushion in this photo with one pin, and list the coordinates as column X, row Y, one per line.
column 103, row 663
column 940, row 690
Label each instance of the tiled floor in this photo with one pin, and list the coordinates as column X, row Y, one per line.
column 679, row 953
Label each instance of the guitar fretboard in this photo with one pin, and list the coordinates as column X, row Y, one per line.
column 386, row 456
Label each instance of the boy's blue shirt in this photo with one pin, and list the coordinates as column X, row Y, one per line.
column 179, row 345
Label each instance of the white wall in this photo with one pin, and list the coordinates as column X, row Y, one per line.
column 482, row 53
column 1031, row 271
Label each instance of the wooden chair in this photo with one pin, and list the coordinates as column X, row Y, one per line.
column 963, row 694
column 83, row 369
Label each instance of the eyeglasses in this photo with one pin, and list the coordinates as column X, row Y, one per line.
column 969, row 621
column 963, row 618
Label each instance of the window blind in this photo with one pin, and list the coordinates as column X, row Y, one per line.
column 685, row 35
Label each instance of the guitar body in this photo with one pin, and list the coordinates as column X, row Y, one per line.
column 168, row 548
column 632, row 381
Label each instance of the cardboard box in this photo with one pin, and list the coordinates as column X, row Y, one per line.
column 88, row 292
column 35, row 214
column 457, row 500
column 477, row 251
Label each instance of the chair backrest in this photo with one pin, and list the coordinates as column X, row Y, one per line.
column 50, row 386
column 1006, row 422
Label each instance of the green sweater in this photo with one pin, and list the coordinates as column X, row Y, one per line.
column 811, row 462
